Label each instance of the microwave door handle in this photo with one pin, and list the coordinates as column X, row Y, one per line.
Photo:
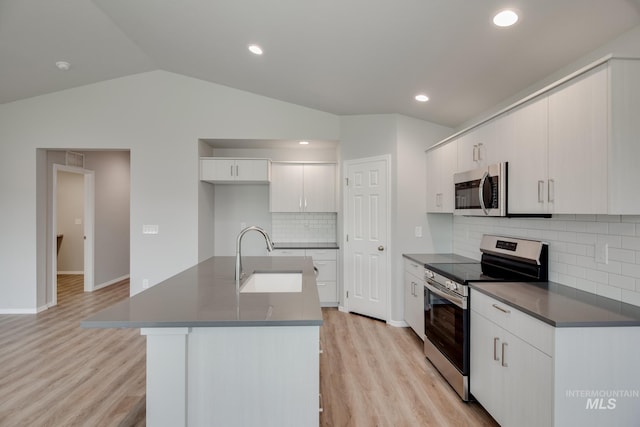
column 481, row 195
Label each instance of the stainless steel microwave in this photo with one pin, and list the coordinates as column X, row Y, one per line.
column 482, row 191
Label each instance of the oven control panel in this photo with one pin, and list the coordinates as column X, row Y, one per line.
column 444, row 282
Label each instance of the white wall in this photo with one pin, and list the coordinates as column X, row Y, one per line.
column 70, row 207
column 405, row 140
column 112, row 192
column 158, row 116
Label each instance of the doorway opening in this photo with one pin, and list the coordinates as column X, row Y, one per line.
column 88, row 220
column 73, row 219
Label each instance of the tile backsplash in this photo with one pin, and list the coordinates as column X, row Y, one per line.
column 595, row 253
column 303, row 227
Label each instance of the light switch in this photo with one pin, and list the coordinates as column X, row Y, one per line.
column 150, row 229
column 418, row 231
column 78, row 221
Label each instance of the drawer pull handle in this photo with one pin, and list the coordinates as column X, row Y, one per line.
column 496, row 340
column 504, row 310
column 504, row 361
column 321, row 409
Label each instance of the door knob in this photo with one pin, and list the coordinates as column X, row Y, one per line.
column 381, row 248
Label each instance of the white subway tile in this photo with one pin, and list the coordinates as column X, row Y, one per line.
column 577, row 226
column 609, row 291
column 623, row 282
column 596, row 275
column 598, row 227
column 567, row 236
column 576, row 249
column 632, row 243
column 567, row 258
column 632, row 270
column 622, row 255
column 586, row 217
column 611, row 267
column 575, row 271
column 631, row 297
column 622, row 228
column 586, row 285
column 586, row 238
column 612, row 241
column 630, row 218
column 608, row 218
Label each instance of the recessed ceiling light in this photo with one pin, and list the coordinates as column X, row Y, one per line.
column 303, row 142
column 255, row 49
column 63, row 65
column 506, row 18
column 422, row 98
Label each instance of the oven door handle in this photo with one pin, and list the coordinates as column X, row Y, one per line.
column 458, row 301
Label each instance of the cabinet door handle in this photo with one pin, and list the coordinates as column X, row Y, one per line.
column 321, row 408
column 305, row 203
column 551, row 191
column 504, row 310
column 475, row 153
column 504, row 361
column 231, row 170
column 540, row 191
column 496, row 340
column 237, row 170
column 300, row 203
column 479, row 151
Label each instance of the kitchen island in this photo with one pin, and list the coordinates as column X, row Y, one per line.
column 216, row 356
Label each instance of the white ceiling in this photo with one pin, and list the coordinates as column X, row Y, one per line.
column 340, row 56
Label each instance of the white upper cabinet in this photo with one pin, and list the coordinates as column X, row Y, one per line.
column 578, row 139
column 484, row 145
column 573, row 149
column 441, row 165
column 221, row 170
column 303, row 187
column 527, row 156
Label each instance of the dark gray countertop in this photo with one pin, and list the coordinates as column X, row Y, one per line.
column 305, row 245
column 425, row 259
column 562, row 306
column 205, row 296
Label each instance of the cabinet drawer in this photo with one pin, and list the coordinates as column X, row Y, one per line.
column 539, row 334
column 287, row 252
column 322, row 254
column 327, row 291
column 326, row 270
column 414, row 268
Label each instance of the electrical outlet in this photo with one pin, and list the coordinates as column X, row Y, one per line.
column 145, row 283
column 418, row 231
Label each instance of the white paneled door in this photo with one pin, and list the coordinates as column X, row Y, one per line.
column 366, row 236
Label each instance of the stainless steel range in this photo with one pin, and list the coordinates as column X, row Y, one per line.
column 446, row 302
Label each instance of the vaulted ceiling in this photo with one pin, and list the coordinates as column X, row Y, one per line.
column 339, row 56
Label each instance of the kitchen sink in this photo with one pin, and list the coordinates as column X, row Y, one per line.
column 273, row 281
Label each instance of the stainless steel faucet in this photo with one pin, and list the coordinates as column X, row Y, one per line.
column 238, row 275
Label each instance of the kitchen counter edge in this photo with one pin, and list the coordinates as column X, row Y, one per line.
column 567, row 307
column 208, row 296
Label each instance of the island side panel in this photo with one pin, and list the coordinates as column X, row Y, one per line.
column 166, row 376
column 243, row 376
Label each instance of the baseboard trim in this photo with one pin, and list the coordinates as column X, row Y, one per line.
column 111, row 282
column 70, row 272
column 19, row 310
column 397, row 323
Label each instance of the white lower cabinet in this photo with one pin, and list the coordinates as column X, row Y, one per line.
column 326, row 263
column 414, row 296
column 525, row 372
column 510, row 375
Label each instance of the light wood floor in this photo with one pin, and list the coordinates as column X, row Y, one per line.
column 373, row 374
column 53, row 373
